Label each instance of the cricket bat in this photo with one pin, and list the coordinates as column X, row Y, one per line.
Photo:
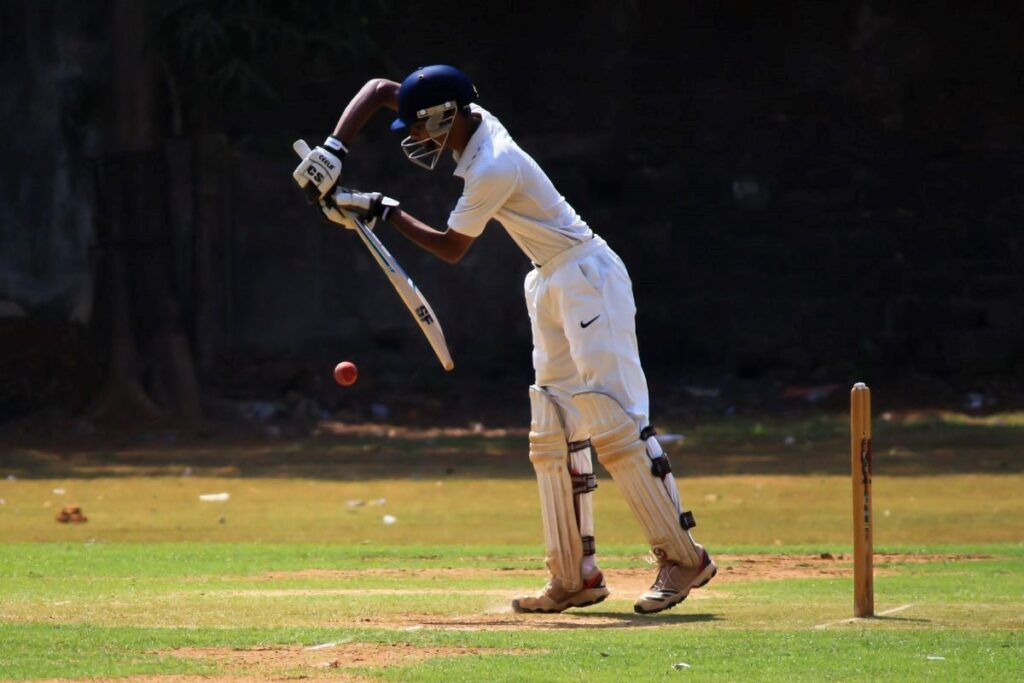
column 403, row 284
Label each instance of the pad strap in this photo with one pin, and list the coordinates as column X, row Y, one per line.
column 686, row 520
column 577, row 446
column 583, row 483
column 661, row 467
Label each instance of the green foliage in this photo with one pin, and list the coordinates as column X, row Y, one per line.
column 231, row 53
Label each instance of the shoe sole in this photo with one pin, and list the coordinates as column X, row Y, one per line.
column 714, row 571
column 516, row 607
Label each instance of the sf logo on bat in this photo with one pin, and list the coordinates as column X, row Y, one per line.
column 424, row 315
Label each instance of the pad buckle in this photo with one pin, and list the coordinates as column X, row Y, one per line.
column 577, row 446
column 660, row 467
column 647, row 432
column 686, row 520
column 583, row 483
column 589, row 545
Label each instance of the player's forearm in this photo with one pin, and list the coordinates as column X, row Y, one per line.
column 377, row 93
column 448, row 246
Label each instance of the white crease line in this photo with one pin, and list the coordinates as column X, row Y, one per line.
column 851, row 620
column 327, row 646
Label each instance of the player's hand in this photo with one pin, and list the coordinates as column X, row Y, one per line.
column 367, row 205
column 334, row 215
column 320, row 170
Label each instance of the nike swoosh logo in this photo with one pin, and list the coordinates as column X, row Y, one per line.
column 585, row 325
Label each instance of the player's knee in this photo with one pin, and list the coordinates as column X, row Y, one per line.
column 612, row 431
column 547, row 434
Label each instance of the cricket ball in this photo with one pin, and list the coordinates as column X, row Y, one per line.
column 345, row 373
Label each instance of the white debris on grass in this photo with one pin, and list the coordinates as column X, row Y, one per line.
column 389, row 519
column 325, row 646
column 59, row 492
column 679, row 666
column 214, row 497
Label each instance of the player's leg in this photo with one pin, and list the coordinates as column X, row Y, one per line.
column 604, row 348
column 581, row 464
column 683, row 564
column 556, row 373
column 575, row 581
column 549, row 453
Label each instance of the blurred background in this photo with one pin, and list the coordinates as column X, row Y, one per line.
column 806, row 195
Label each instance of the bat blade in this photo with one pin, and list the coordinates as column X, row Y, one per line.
column 410, row 294
column 407, row 290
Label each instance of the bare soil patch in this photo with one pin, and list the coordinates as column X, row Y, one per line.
column 731, row 568
column 625, row 584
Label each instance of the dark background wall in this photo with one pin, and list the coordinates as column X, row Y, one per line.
column 807, row 194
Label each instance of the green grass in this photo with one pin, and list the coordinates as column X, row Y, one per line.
column 120, row 609
column 731, row 510
column 605, row 655
column 288, row 562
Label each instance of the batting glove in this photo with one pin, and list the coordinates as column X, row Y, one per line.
column 333, row 215
column 320, row 170
column 367, row 205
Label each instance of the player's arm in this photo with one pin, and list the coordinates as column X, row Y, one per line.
column 320, row 170
column 449, row 246
column 377, row 93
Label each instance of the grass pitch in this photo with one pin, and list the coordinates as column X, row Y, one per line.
column 298, row 575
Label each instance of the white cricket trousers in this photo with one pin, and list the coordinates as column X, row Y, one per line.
column 584, row 335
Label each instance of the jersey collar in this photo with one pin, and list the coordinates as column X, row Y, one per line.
column 464, row 160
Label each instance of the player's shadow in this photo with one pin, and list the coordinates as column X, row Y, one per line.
column 621, row 620
column 565, row 621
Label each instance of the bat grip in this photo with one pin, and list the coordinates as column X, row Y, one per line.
column 313, row 194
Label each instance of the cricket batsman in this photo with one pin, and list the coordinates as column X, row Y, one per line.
column 590, row 394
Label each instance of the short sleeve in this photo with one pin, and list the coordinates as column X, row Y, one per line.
column 485, row 193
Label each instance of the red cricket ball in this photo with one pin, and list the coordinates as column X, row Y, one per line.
column 345, row 373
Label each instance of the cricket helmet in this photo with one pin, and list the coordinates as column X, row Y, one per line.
column 432, row 95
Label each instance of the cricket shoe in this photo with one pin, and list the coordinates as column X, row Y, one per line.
column 674, row 583
column 554, row 598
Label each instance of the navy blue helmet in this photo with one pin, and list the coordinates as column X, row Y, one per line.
column 429, row 87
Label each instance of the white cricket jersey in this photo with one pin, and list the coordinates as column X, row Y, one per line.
column 504, row 183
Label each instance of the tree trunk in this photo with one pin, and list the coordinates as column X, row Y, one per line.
column 136, row 289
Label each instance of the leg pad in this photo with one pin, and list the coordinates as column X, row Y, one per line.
column 619, row 448
column 549, row 454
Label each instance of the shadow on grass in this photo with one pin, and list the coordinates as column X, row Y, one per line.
column 909, row 620
column 634, row 620
column 543, row 622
